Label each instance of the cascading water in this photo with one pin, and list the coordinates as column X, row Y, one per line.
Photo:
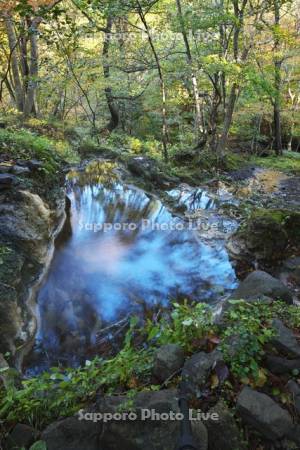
column 121, row 249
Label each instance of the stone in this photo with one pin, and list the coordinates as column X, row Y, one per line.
column 73, row 434
column 148, row 169
column 292, row 263
column 7, row 180
column 264, row 414
column 197, row 369
column 5, row 168
column 20, row 170
column 34, row 164
column 280, row 366
column 284, row 340
column 294, row 389
column 27, row 220
column 260, row 284
column 167, row 360
column 223, row 434
column 22, row 436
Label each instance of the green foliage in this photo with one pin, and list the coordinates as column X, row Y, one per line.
column 61, row 392
column 187, row 325
column 248, row 327
column 24, row 144
column 289, row 162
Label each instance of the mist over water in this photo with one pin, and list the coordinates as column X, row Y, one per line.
column 99, row 275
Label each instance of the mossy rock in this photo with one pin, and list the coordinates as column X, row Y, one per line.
column 268, row 234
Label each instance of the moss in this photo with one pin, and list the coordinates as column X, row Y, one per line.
column 274, row 215
column 289, row 162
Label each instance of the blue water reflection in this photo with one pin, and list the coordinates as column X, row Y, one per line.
column 123, row 249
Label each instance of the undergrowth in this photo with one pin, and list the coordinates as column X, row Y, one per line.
column 61, row 392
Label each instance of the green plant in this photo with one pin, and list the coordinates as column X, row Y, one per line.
column 248, row 329
column 187, row 325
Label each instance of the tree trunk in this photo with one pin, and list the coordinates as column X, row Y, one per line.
column 113, row 109
column 227, row 120
column 30, row 106
column 165, row 137
column 17, row 83
column 198, row 114
column 277, row 83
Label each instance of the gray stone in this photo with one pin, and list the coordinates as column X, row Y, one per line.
column 223, row 434
column 284, row 340
column 167, row 361
column 197, row 369
column 34, row 164
column 294, row 389
column 7, row 180
column 22, row 436
column 20, row 170
column 28, row 221
column 264, row 414
column 292, row 263
column 72, row 434
column 280, row 366
column 259, row 284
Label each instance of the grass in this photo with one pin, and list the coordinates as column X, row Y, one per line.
column 289, row 162
column 26, row 144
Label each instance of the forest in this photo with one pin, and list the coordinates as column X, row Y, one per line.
column 149, row 225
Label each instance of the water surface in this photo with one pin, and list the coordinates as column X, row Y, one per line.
column 121, row 249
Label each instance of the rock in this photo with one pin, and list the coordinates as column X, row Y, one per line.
column 22, row 436
column 5, row 168
column 294, row 389
column 263, row 414
column 280, row 366
column 284, row 340
column 197, row 369
column 266, row 235
column 148, row 169
column 27, row 220
column 259, row 284
column 72, row 434
column 223, row 434
column 34, row 164
column 20, row 170
column 292, row 263
column 7, row 180
column 167, row 360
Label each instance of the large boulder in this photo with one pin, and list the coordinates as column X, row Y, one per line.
column 260, row 284
column 151, row 433
column 197, row 369
column 224, row 434
column 280, row 366
column 148, row 169
column 26, row 219
column 22, row 436
column 266, row 236
column 168, row 359
column 284, row 340
column 264, row 414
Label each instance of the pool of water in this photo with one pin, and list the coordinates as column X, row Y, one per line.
column 121, row 249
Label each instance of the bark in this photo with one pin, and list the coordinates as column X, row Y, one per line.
column 198, row 114
column 30, row 100
column 277, row 84
column 17, row 83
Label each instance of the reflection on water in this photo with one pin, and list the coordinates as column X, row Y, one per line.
column 112, row 261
